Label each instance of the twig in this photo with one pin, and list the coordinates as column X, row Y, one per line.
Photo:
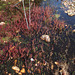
column 25, row 14
column 29, row 13
column 17, row 3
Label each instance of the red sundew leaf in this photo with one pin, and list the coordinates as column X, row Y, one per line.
column 22, row 55
column 3, row 50
column 0, row 54
column 36, row 56
column 27, row 51
column 6, row 54
column 39, row 70
column 40, row 54
column 30, row 56
column 2, row 40
column 15, row 50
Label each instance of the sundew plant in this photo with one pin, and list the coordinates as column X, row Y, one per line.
column 24, row 45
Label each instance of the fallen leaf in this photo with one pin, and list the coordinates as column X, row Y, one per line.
column 15, row 68
column 22, row 70
column 52, row 66
column 2, row 23
column 57, row 63
column 29, row 71
column 45, row 37
column 19, row 73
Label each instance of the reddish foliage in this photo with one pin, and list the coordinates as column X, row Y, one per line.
column 42, row 22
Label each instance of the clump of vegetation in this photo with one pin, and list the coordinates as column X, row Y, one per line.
column 23, row 48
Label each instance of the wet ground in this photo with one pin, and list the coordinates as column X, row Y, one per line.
column 59, row 10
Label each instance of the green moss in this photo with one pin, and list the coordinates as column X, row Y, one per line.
column 14, row 39
column 5, row 38
column 57, row 15
column 1, row 52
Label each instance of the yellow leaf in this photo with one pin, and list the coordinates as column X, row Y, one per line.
column 19, row 73
column 15, row 62
column 22, row 70
column 15, row 68
column 29, row 71
column 12, row 48
column 52, row 66
column 20, row 0
column 57, row 63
